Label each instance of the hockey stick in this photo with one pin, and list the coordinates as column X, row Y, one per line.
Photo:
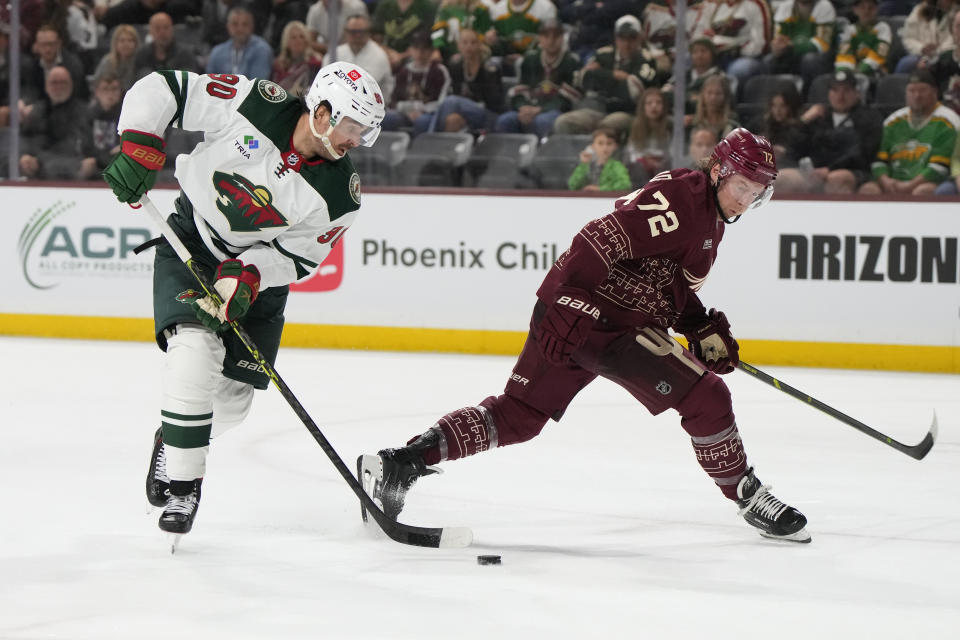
column 917, row 451
column 403, row 533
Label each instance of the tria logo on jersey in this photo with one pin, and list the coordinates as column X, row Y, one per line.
column 246, row 206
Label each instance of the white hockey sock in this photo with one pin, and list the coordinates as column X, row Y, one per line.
column 191, row 371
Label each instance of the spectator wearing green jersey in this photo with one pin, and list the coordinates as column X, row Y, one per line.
column 612, row 81
column 395, row 22
column 546, row 86
column 803, row 38
column 453, row 16
column 516, row 24
column 918, row 141
column 864, row 45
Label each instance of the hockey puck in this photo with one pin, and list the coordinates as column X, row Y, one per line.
column 488, row 559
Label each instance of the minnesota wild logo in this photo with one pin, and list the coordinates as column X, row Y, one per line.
column 188, row 296
column 245, row 205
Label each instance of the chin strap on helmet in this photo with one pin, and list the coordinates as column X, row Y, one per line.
column 324, row 138
column 716, row 202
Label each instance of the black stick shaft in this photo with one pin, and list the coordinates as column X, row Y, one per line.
column 917, row 451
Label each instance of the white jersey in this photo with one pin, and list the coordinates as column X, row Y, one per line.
column 254, row 197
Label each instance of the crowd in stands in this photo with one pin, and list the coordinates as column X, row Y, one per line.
column 857, row 96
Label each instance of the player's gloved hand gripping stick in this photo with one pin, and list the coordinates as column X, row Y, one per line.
column 406, row 534
column 133, row 171
column 713, row 344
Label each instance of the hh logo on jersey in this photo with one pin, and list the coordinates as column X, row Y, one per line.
column 328, row 276
column 245, row 205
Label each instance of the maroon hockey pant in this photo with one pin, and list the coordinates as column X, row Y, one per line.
column 649, row 364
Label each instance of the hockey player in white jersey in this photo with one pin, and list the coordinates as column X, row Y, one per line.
column 264, row 198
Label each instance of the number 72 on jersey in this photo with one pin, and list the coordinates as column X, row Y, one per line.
column 661, row 223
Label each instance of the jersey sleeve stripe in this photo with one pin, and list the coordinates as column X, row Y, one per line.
column 179, row 92
column 298, row 261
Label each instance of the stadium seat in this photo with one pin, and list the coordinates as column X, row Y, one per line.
column 556, row 159
column 891, row 93
column 377, row 165
column 757, row 89
column 500, row 161
column 436, row 160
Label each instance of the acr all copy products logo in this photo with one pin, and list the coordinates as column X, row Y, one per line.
column 56, row 244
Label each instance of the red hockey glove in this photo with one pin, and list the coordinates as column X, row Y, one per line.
column 133, row 171
column 713, row 344
column 566, row 324
column 237, row 286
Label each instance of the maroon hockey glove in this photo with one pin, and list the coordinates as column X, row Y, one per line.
column 713, row 344
column 566, row 324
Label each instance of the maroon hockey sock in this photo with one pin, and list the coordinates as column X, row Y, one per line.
column 465, row 432
column 497, row 421
column 707, row 415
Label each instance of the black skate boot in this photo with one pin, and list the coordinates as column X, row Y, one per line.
column 387, row 476
column 180, row 510
column 771, row 517
column 157, row 481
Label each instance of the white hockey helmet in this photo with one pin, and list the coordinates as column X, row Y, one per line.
column 355, row 100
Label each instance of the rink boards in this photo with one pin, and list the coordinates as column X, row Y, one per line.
column 803, row 282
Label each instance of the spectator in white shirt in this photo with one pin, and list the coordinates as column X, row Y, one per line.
column 360, row 50
column 318, row 21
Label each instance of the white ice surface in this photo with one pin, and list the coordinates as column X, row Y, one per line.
column 606, row 524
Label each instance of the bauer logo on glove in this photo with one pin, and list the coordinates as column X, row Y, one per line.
column 133, row 171
column 238, row 286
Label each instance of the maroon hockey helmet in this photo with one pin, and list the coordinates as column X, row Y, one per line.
column 749, row 155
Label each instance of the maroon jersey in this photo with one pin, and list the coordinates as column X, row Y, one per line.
column 644, row 262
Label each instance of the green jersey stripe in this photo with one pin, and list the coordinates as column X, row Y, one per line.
column 298, row 261
column 179, row 92
column 186, row 416
column 175, row 435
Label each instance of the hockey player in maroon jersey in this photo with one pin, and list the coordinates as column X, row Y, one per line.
column 604, row 310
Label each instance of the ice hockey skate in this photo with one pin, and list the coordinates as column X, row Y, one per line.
column 387, row 476
column 177, row 517
column 157, row 481
column 772, row 518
